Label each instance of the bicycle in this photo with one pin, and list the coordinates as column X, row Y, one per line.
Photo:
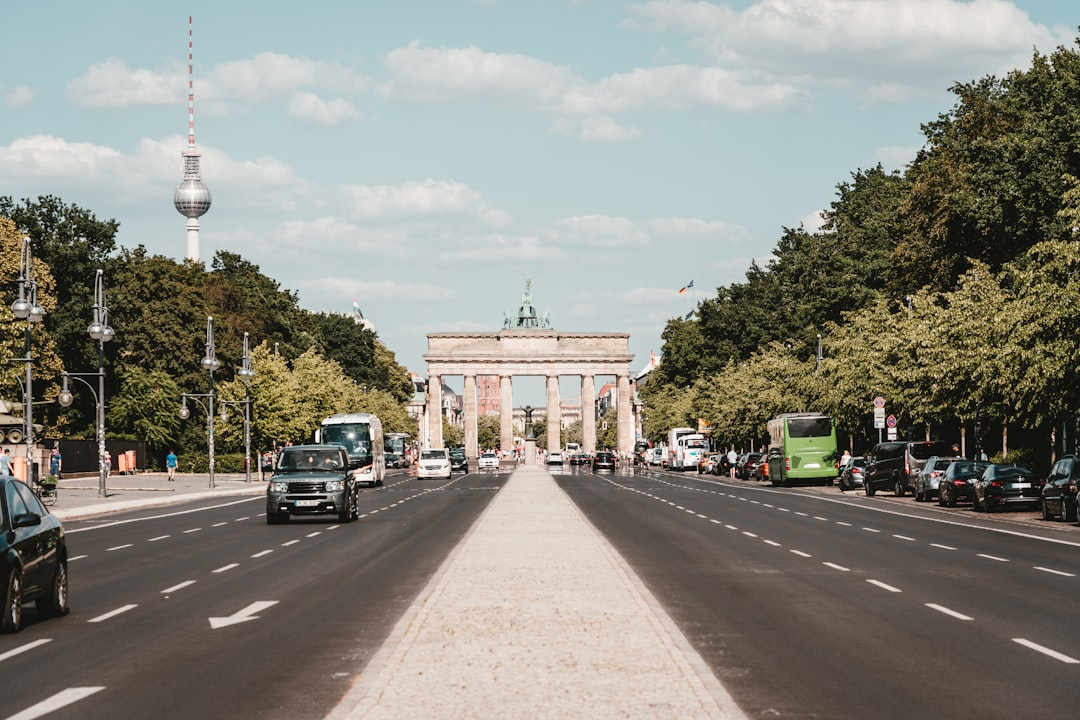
column 46, row 490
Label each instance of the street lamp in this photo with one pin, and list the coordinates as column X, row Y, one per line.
column 210, row 363
column 246, row 373
column 26, row 308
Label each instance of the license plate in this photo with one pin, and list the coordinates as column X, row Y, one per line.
column 813, row 465
column 1021, row 486
column 307, row 503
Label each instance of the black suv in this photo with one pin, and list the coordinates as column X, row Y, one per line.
column 893, row 464
column 603, row 460
column 459, row 462
column 312, row 480
column 1059, row 492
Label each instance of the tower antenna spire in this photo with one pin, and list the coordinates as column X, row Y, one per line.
column 192, row 198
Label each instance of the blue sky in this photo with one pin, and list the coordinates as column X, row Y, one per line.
column 426, row 157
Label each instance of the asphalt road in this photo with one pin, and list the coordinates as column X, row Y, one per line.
column 202, row 610
column 812, row 604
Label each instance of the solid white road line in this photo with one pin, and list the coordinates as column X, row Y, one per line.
column 57, row 701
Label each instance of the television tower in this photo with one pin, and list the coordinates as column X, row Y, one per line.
column 192, row 198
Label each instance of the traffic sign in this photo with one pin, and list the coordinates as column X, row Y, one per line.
column 879, row 418
column 879, row 402
column 890, row 421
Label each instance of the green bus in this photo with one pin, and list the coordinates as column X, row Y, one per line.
column 802, row 450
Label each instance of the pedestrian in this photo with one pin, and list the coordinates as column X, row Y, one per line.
column 845, row 459
column 108, row 463
column 732, row 458
column 170, row 465
column 266, row 464
column 5, row 462
column 55, row 461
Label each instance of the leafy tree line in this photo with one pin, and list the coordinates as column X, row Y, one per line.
column 949, row 289
column 308, row 365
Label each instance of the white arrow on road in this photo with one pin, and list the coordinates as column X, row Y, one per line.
column 244, row 615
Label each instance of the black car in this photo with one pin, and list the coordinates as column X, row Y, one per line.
column 33, row 556
column 312, row 480
column 1002, row 485
column 1059, row 492
column 459, row 462
column 393, row 460
column 958, row 482
column 894, row 464
column 603, row 460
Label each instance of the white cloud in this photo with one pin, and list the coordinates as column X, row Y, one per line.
column 111, row 84
column 598, row 231
column 19, row 96
column 813, row 222
column 310, row 108
column 679, row 229
column 895, row 158
column 412, row 199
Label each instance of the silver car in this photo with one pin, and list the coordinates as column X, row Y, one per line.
column 926, row 481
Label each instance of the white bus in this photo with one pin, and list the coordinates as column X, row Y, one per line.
column 689, row 450
column 673, row 443
column 362, row 437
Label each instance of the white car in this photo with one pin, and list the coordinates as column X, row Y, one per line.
column 488, row 461
column 555, row 458
column 434, row 463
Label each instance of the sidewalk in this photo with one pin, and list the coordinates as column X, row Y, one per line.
column 78, row 497
column 535, row 615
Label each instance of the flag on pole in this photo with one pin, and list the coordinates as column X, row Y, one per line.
column 686, row 287
column 689, row 315
column 690, row 284
column 683, row 291
column 356, row 308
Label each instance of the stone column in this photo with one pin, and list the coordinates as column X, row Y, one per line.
column 506, row 413
column 470, row 418
column 625, row 414
column 434, row 412
column 588, row 414
column 554, row 415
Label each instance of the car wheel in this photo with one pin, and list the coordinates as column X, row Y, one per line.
column 1045, row 510
column 898, row 488
column 941, row 497
column 1066, row 514
column 56, row 604
column 870, row 490
column 12, row 620
column 950, row 501
column 975, row 504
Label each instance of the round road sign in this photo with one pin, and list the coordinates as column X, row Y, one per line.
column 879, row 402
column 890, row 421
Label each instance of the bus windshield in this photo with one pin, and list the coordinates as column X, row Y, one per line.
column 809, row 427
column 354, row 437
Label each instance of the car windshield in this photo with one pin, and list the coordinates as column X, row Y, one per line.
column 1013, row 472
column 488, row 455
column 924, row 451
column 311, row 460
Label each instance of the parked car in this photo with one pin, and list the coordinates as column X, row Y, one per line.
column 603, row 460
column 958, row 481
column 893, row 464
column 312, row 480
column 1002, row 484
column 33, row 556
column 708, row 464
column 926, row 482
column 746, row 466
column 555, row 457
column 459, row 462
column 488, row 461
column 434, row 463
column 1059, row 493
column 851, row 476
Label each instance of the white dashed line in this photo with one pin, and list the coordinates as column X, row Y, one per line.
column 314, row 534
column 57, row 701
column 947, row 611
column 290, row 542
column 192, row 530
column 943, row 547
column 225, row 568
column 802, row 514
column 818, row 517
column 883, row 586
column 904, row 537
column 174, row 588
column 783, row 509
column 112, row 614
column 159, row 537
column 219, row 524
column 714, row 520
column 747, row 533
column 1046, row 651
column 77, row 557
column 1054, row 572
column 240, row 519
column 119, row 547
column 800, row 553
column 773, row 543
column 731, row 527
column 260, row 554
column 834, row 566
column 993, row 557
column 23, row 648
column 873, row 530
column 845, row 524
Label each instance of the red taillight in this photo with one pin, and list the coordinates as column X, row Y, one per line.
column 856, row 471
column 787, row 463
column 996, row 483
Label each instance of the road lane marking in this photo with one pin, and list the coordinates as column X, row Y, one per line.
column 112, row 614
column 159, row 537
column 242, row 519
column 818, row 517
column 993, row 557
column 873, row 530
column 119, row 547
column 883, row 586
column 731, row 527
column 263, row 552
column 290, row 542
column 947, row 611
column 23, row 648
column 802, row 514
column 904, row 537
column 1054, row 572
column 714, row 520
column 57, row 701
column 800, row 553
column 834, row 566
column 77, row 557
column 192, row 530
column 314, row 534
column 943, row 547
column 747, row 533
column 241, row 616
column 219, row 524
column 773, row 543
column 783, row 509
column 174, row 588
column 226, row 568
column 845, row 524
column 1046, row 651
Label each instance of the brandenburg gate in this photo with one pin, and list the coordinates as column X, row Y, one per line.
column 525, row 347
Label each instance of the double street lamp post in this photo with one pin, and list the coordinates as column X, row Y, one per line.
column 210, row 363
column 26, row 308
column 246, row 373
column 100, row 330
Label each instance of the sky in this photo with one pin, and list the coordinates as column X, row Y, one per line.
column 426, row 158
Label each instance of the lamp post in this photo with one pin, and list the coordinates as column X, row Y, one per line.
column 26, row 308
column 210, row 363
column 246, row 373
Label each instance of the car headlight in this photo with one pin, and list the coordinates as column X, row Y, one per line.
column 279, row 487
column 366, row 470
column 334, row 485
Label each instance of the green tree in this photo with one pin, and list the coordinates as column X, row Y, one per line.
column 488, row 431
column 145, row 409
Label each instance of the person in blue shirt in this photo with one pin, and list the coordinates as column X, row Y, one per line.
column 170, row 465
column 5, row 462
column 55, row 461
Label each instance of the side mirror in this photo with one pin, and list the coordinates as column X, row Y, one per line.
column 26, row 520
